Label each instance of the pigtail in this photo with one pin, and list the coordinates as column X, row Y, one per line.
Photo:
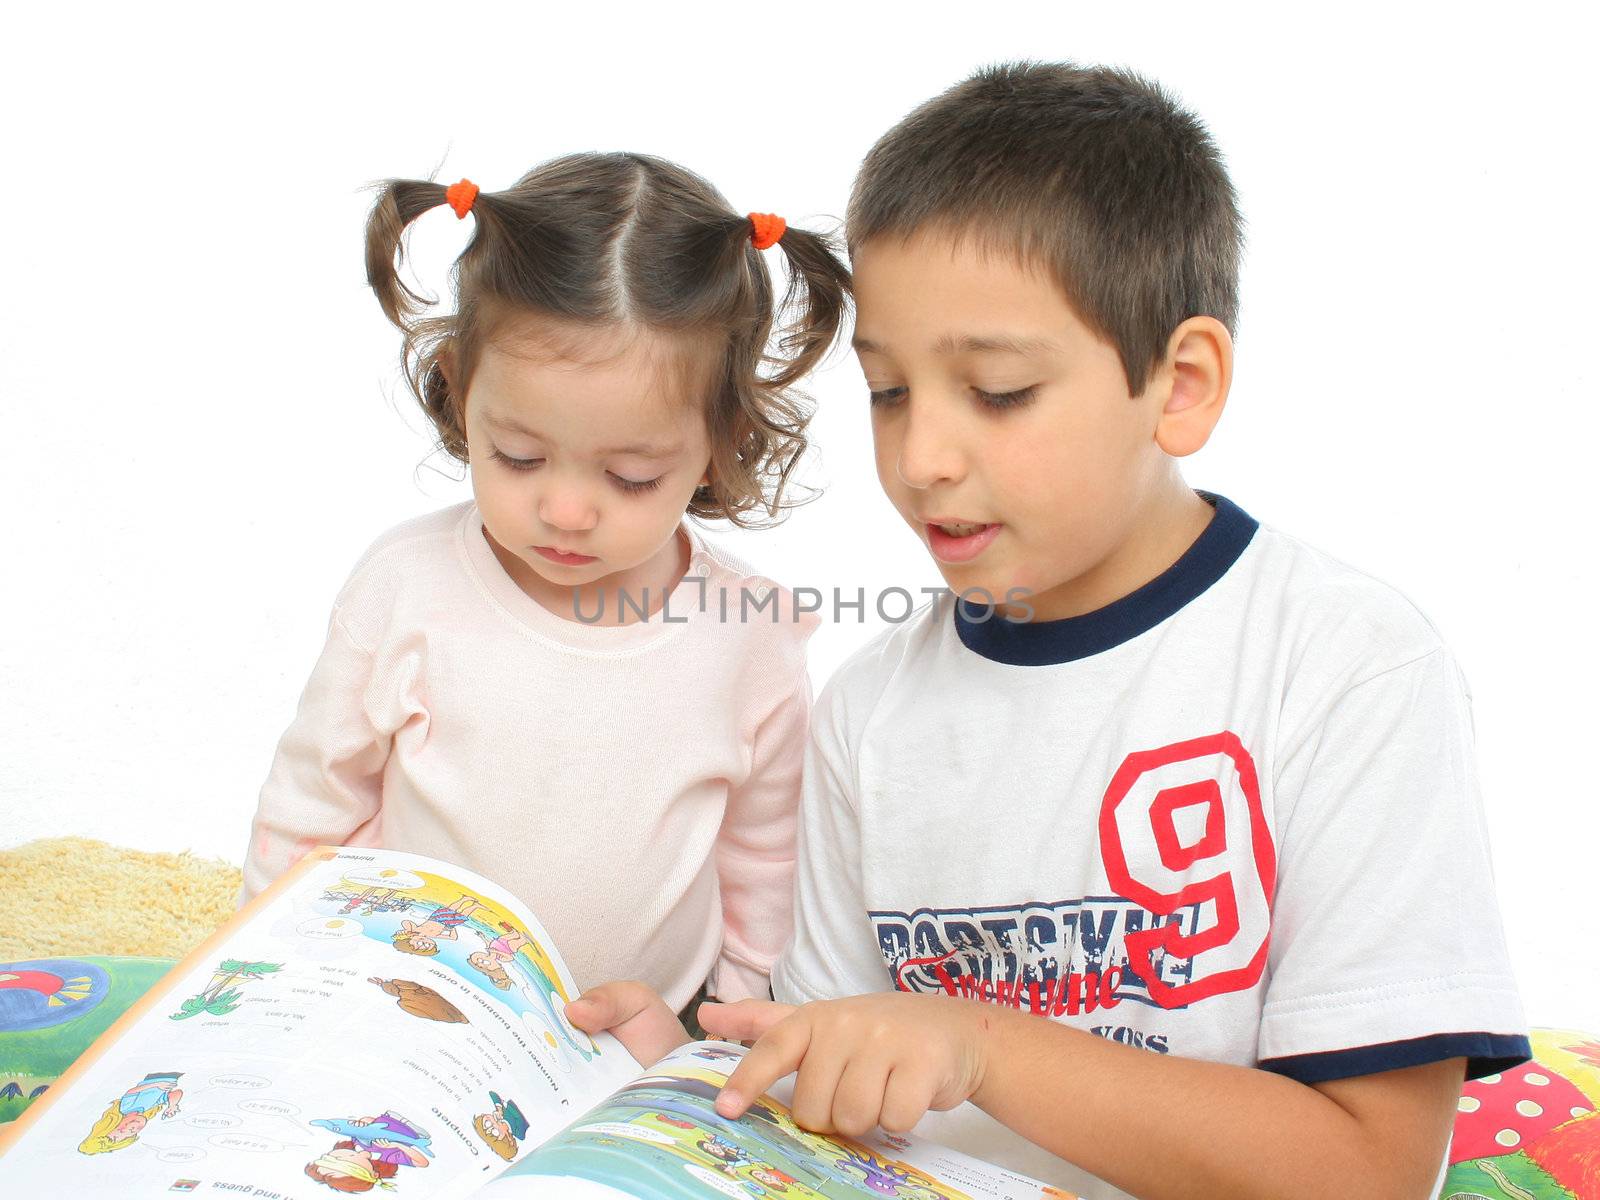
column 426, row 339
column 759, row 438
column 400, row 202
column 818, row 294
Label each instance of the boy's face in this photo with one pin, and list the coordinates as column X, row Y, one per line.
column 994, row 406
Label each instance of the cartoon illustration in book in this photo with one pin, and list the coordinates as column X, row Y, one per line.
column 716, row 1054
column 428, row 915
column 503, row 1127
column 486, row 962
column 771, row 1177
column 505, row 947
column 879, row 1176
column 369, row 900
column 440, row 924
column 370, row 1153
column 420, row 1000
column 126, row 1116
column 221, row 996
column 671, row 1124
column 725, row 1152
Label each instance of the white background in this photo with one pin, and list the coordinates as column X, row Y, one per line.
column 206, row 423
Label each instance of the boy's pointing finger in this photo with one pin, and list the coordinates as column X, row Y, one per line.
column 775, row 1055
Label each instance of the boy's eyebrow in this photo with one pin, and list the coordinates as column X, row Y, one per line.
column 973, row 344
column 642, row 449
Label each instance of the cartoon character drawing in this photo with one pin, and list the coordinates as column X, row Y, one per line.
column 439, row 925
column 772, row 1177
column 124, row 1120
column 220, row 996
column 728, row 1155
column 421, row 1001
column 715, row 1054
column 505, row 946
column 485, row 961
column 502, row 1128
column 369, row 900
column 877, row 1176
column 371, row 1151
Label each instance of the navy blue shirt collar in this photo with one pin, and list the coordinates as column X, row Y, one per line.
column 1042, row 643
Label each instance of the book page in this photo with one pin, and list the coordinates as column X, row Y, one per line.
column 659, row 1136
column 375, row 1021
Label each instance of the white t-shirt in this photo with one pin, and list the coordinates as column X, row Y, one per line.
column 1104, row 817
column 636, row 785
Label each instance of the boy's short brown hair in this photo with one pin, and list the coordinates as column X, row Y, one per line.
column 1094, row 173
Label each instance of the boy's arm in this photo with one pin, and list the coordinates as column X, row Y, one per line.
column 1165, row 1127
column 1161, row 1127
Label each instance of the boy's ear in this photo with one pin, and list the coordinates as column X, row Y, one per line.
column 1196, row 376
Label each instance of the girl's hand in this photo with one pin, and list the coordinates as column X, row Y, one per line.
column 633, row 1014
column 883, row 1059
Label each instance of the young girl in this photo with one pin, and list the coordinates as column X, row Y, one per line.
column 560, row 684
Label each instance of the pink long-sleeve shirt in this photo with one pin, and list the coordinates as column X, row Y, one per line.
column 635, row 785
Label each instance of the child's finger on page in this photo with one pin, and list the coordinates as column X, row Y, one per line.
column 743, row 1020
column 769, row 1060
column 611, row 1004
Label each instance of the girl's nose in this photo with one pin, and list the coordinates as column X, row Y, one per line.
column 568, row 509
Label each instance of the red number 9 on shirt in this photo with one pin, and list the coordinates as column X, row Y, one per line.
column 1139, row 812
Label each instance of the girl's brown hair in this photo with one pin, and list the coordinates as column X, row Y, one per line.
column 605, row 239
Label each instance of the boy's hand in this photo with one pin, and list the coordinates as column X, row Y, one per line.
column 883, row 1059
column 633, row 1014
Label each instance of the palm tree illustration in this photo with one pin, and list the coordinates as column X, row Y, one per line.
column 222, row 997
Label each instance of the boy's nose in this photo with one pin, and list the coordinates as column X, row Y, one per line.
column 930, row 449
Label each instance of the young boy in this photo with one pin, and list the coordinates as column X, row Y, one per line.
column 1169, row 878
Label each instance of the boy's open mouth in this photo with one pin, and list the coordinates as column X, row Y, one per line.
column 959, row 541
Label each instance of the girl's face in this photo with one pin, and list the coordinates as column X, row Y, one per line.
column 583, row 460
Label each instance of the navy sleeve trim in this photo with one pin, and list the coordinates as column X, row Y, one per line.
column 1486, row 1054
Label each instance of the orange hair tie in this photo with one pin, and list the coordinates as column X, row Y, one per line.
column 461, row 196
column 766, row 229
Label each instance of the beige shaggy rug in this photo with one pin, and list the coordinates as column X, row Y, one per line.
column 63, row 896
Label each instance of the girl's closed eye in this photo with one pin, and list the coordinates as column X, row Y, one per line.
column 528, row 464
column 637, row 485
column 516, row 464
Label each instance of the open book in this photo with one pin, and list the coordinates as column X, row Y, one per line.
column 378, row 1021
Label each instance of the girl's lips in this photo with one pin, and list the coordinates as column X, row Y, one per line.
column 567, row 560
column 949, row 549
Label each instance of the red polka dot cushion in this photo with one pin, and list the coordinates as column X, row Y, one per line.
column 1531, row 1133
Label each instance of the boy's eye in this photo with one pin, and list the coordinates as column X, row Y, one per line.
column 1006, row 399
column 885, row 396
